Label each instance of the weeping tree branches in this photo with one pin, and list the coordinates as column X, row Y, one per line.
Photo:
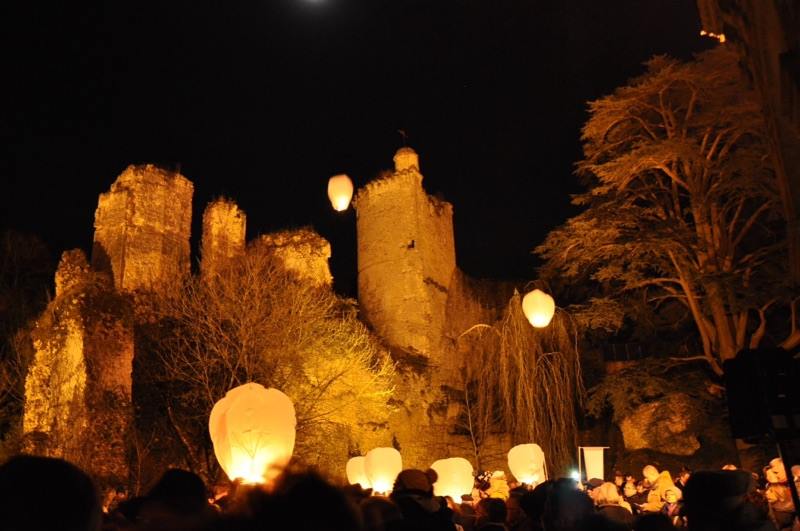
column 526, row 382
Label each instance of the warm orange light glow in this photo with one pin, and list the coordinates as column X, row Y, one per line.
column 719, row 36
column 455, row 477
column 340, row 192
column 382, row 466
column 539, row 308
column 526, row 462
column 253, row 431
column 357, row 473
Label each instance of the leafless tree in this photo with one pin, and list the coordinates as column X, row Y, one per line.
column 256, row 322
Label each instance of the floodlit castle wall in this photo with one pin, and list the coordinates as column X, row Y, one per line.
column 142, row 227
column 302, row 252
column 223, row 238
column 406, row 256
column 78, row 386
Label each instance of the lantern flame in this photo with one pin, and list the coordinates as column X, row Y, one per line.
column 539, row 308
column 526, row 462
column 253, row 432
column 719, row 36
column 340, row 192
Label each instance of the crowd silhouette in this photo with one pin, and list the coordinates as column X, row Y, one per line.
column 41, row 493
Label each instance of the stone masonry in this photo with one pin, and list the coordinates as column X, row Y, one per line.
column 406, row 268
column 410, row 292
column 78, row 387
column 302, row 252
column 406, row 258
column 142, row 228
column 223, row 236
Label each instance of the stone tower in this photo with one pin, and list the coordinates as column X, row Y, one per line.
column 302, row 252
column 142, row 228
column 78, row 386
column 406, row 258
column 223, row 236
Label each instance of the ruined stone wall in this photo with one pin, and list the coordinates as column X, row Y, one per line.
column 417, row 300
column 406, row 257
column 303, row 252
column 78, row 387
column 223, row 236
column 470, row 302
column 438, row 254
column 142, row 226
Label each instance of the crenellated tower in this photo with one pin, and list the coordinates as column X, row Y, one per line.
column 406, row 258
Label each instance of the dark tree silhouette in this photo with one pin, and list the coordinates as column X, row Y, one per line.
column 682, row 207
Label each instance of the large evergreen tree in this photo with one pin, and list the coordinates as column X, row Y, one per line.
column 682, row 210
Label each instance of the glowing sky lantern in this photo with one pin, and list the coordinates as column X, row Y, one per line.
column 382, row 466
column 455, row 477
column 340, row 192
column 539, row 308
column 357, row 473
column 253, row 431
column 526, row 462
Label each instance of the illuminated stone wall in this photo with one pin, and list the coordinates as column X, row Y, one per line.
column 406, row 257
column 78, row 386
column 223, row 236
column 142, row 228
column 411, row 292
column 303, row 252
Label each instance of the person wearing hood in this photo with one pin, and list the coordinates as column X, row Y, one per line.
column 413, row 494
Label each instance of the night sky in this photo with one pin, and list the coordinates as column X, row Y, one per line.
column 262, row 101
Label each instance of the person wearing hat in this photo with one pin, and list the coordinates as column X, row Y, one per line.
column 413, row 494
column 591, row 488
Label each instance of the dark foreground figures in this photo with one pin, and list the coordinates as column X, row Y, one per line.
column 38, row 493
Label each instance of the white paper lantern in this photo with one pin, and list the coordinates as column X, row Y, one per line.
column 357, row 473
column 340, row 192
column 526, row 462
column 455, row 477
column 253, row 431
column 382, row 466
column 539, row 308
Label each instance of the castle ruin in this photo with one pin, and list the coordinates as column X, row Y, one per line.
column 142, row 227
column 410, row 292
column 302, row 252
column 78, row 387
column 223, row 238
column 78, row 390
column 406, row 258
